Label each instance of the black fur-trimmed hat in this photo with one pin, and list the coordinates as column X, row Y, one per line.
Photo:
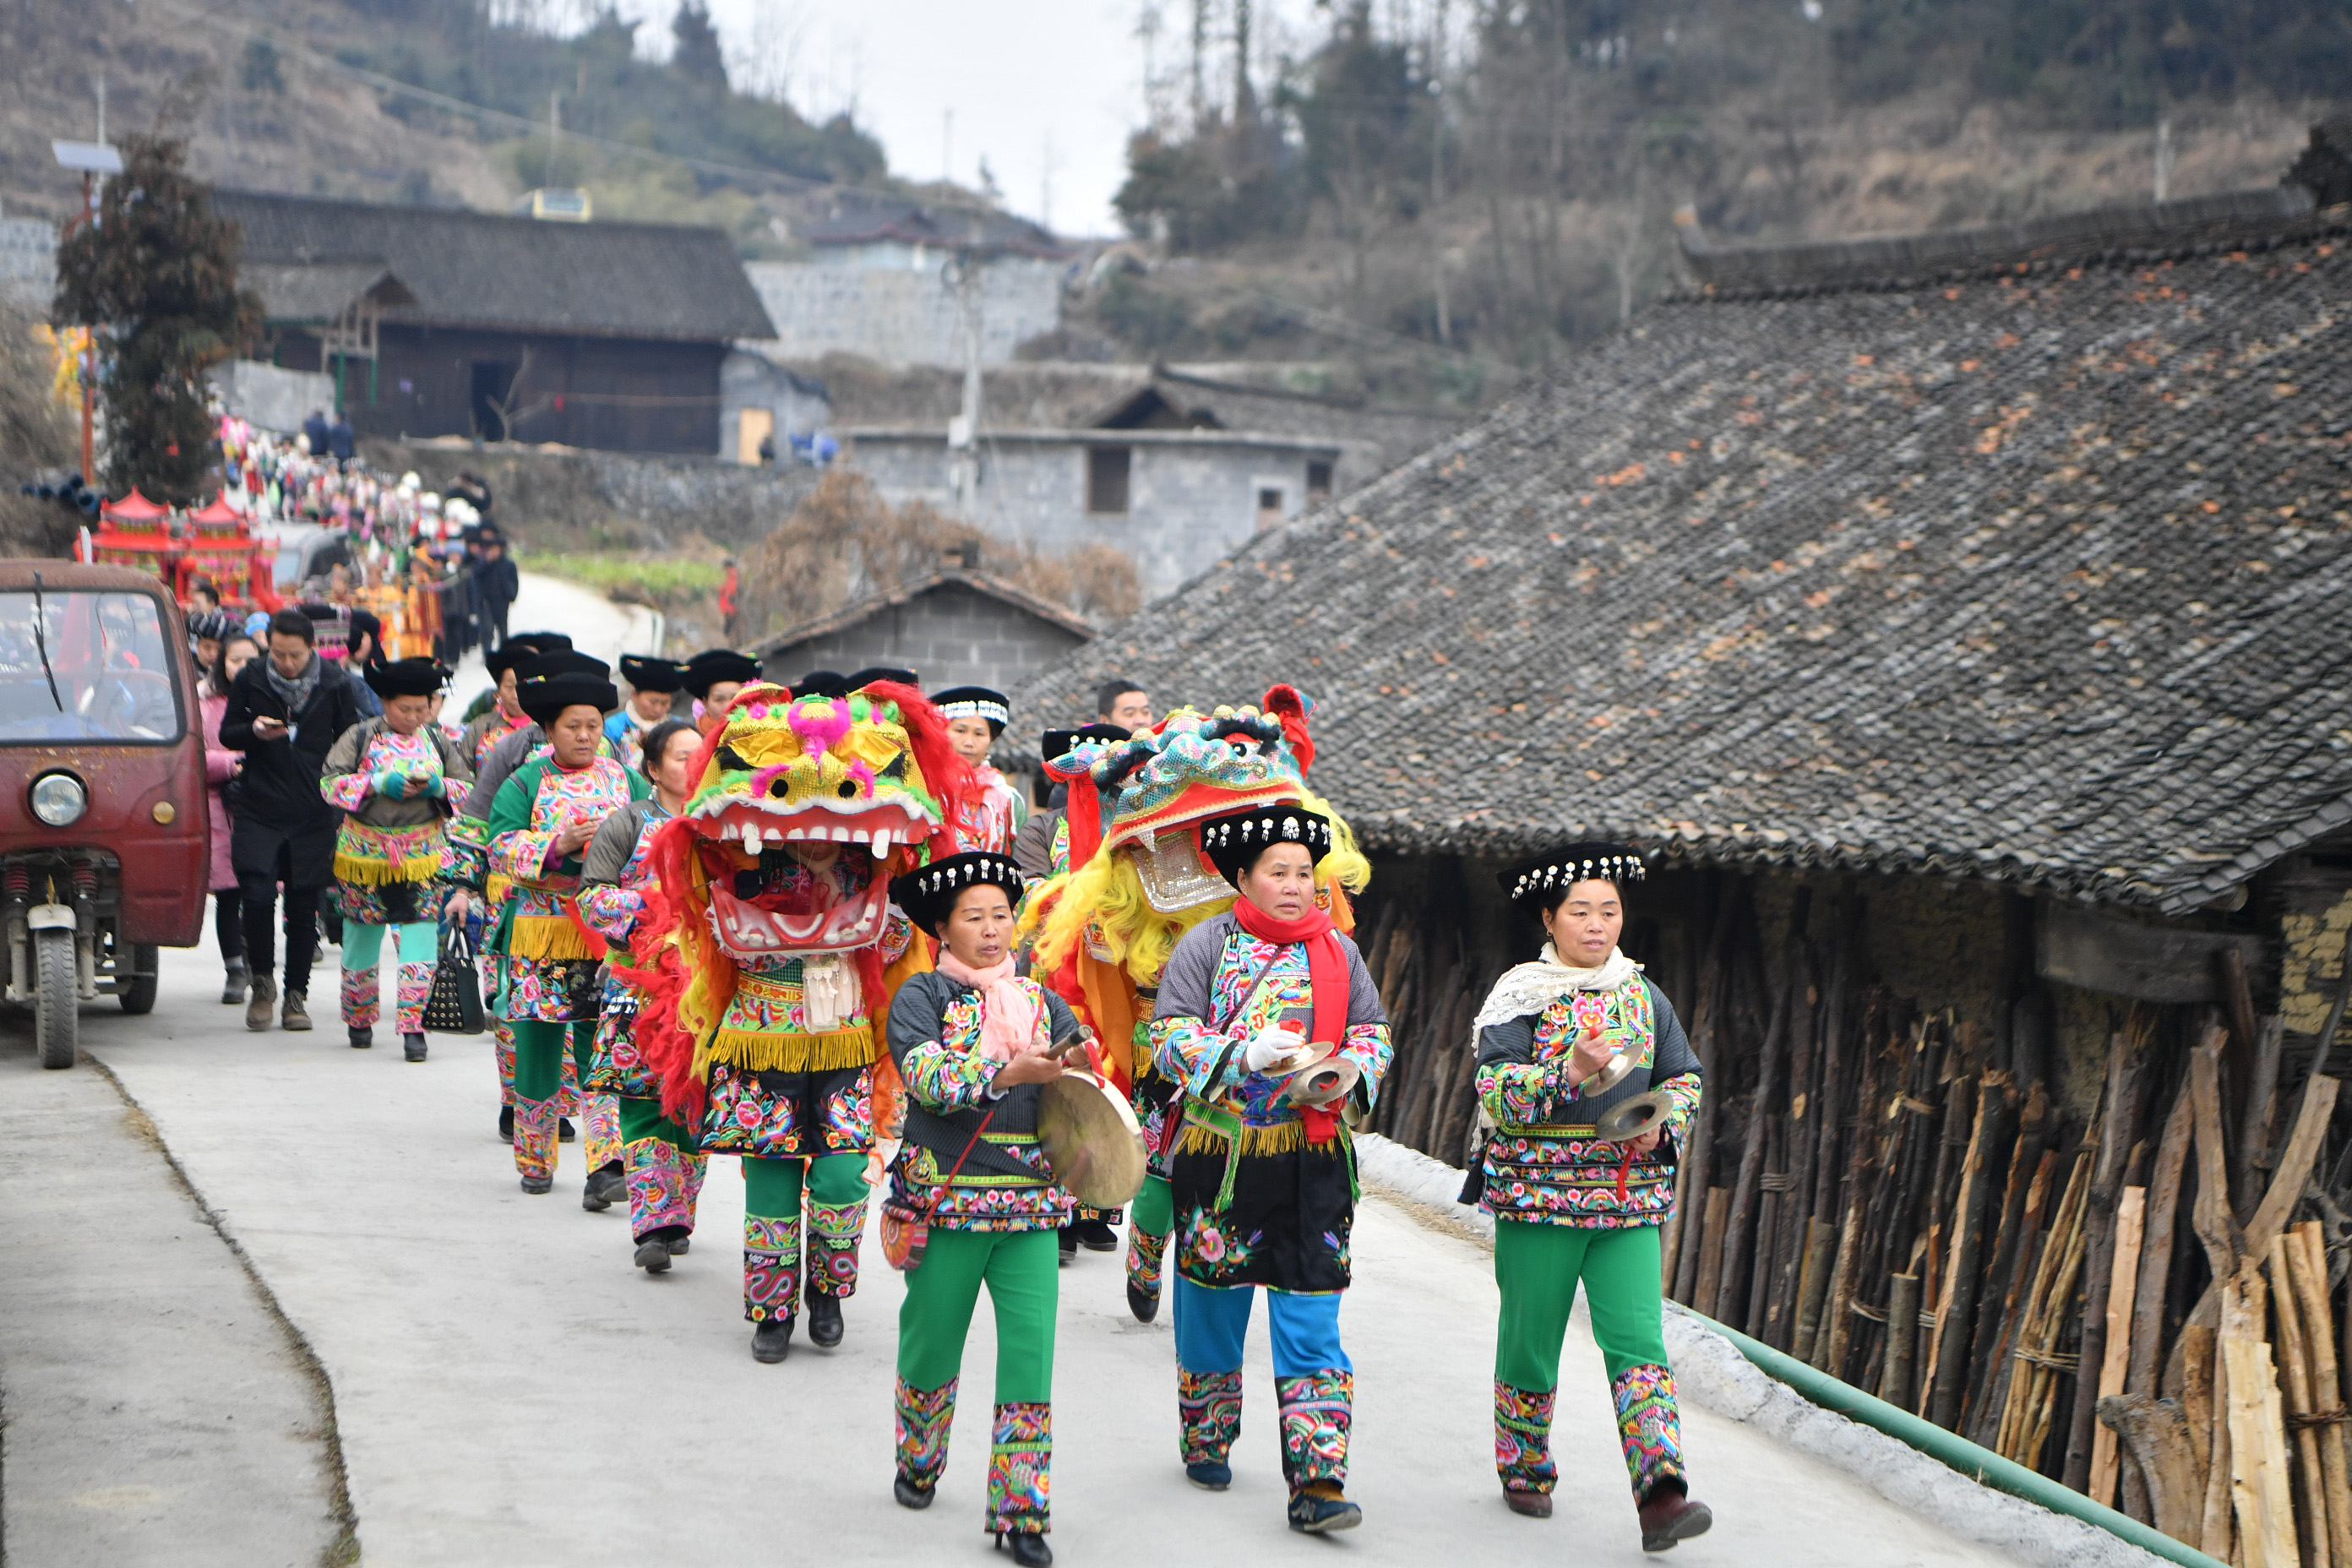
column 1233, row 842
column 546, row 699
column 1527, row 882
column 718, row 666
column 407, row 678
column 975, row 702
column 928, row 894
column 645, row 674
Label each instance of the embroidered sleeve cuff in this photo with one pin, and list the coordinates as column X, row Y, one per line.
column 347, row 791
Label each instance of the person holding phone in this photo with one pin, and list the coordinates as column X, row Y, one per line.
column 283, row 712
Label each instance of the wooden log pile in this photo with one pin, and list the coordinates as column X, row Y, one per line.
column 2140, row 1291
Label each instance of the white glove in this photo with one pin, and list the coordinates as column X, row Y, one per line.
column 1267, row 1048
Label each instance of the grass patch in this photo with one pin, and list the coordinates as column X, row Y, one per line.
column 640, row 576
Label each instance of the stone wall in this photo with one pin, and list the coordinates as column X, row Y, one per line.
column 611, row 501
column 269, row 396
column 28, row 263
column 903, row 315
column 950, row 635
column 1193, row 496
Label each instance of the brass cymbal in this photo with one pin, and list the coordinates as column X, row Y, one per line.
column 1323, row 1082
column 1632, row 1118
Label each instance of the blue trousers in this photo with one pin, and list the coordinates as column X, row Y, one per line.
column 1211, row 1325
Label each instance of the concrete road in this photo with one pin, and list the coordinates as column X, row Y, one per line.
column 597, row 626
column 510, row 1391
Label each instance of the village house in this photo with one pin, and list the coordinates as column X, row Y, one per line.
column 959, row 625
column 439, row 321
column 1174, row 468
column 1962, row 626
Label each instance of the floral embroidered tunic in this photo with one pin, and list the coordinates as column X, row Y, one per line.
column 992, row 819
column 550, row 967
column 1262, row 1196
column 1542, row 1163
column 1005, row 1184
column 386, row 839
column 612, row 899
column 795, row 1014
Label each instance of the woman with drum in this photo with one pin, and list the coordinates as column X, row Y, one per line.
column 1589, row 1080
column 973, row 1200
column 1269, row 1021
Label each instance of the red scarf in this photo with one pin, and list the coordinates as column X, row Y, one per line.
column 1327, row 974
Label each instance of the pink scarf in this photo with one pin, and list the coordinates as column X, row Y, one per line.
column 1008, row 1014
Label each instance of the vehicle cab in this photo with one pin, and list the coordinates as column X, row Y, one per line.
column 104, row 837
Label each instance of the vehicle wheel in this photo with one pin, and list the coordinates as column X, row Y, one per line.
column 137, row 989
column 55, row 1024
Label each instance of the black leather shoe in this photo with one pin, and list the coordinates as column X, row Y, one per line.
column 1534, row 1505
column 1069, row 1244
column 506, row 1123
column 606, row 1186
column 652, row 1255
column 677, row 1247
column 1095, row 1236
column 1210, row 1474
column 824, row 1322
column 363, row 1039
column 1144, row 1305
column 771, row 1340
column 908, row 1494
column 538, row 1187
column 1670, row 1516
column 413, row 1046
column 1027, row 1546
column 563, row 1132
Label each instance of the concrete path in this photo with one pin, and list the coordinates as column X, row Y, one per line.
column 597, row 626
column 158, row 1411
column 510, row 1392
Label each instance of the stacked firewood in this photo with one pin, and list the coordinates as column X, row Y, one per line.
column 2133, row 1283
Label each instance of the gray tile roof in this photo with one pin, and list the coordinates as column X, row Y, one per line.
column 2041, row 574
column 475, row 269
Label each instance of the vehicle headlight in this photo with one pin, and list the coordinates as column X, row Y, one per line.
column 59, row 799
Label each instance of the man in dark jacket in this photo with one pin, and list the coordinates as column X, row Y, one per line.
column 498, row 582
column 283, row 712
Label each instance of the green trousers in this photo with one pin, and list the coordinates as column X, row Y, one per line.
column 1538, row 1266
column 1154, row 1207
column 643, row 1119
column 538, row 1054
column 1023, row 1272
column 772, row 1188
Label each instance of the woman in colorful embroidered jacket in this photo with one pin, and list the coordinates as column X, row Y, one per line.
column 544, row 818
column 662, row 1167
column 1569, row 1207
column 394, row 778
column 1263, row 1180
column 976, row 716
column 971, row 1041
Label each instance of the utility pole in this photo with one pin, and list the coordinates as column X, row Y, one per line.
column 947, row 147
column 2163, row 157
column 964, row 430
column 554, row 133
column 1437, row 169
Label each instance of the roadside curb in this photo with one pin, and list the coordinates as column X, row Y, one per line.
column 1710, row 1372
column 344, row 1550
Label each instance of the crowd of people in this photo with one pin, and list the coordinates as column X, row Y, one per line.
column 801, row 920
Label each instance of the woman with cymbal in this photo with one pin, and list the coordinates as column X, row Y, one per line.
column 1589, row 1080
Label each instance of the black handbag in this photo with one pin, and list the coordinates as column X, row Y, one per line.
column 455, row 1005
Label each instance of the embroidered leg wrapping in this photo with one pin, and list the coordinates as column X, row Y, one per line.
column 535, row 1136
column 602, row 1128
column 1650, row 1426
column 833, row 1233
column 662, row 1182
column 924, row 1418
column 1208, row 1414
column 1523, row 1438
column 772, row 1268
column 1145, row 1252
column 1317, row 1410
column 362, row 1002
column 1020, row 1456
column 416, row 990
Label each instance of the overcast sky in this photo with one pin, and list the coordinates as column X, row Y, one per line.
column 1046, row 91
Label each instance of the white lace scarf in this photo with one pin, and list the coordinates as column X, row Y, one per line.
column 1527, row 988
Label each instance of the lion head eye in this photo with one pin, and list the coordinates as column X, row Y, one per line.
column 732, row 760
column 846, row 789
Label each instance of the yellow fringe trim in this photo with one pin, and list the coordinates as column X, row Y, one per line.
column 549, row 936
column 833, row 1052
column 1282, row 1138
column 495, row 888
column 366, row 871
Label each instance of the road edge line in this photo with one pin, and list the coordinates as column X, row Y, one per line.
column 344, row 1550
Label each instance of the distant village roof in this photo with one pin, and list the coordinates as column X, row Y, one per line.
column 980, row 583
column 475, row 269
column 849, row 216
column 322, row 291
column 2040, row 573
